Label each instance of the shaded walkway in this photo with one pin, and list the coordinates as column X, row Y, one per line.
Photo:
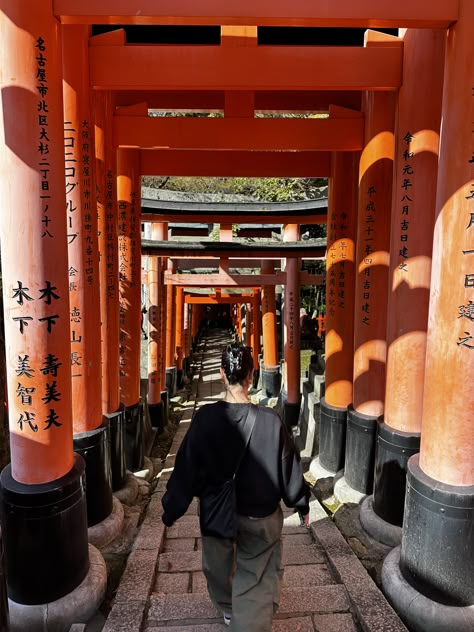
column 325, row 589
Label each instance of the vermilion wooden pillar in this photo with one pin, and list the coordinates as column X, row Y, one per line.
column 91, row 435
column 108, row 246
column 437, row 552
column 370, row 316
column 194, row 324
column 156, row 364
column 37, row 518
column 251, row 319
column 129, row 210
column 257, row 332
column 160, row 232
column 106, row 180
column 239, row 323
column 271, row 376
column 186, row 336
column 340, row 287
column 154, row 385
column 170, row 325
column 413, row 211
column 179, row 336
column 248, row 323
column 292, row 331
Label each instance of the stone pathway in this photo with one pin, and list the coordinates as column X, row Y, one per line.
column 326, row 588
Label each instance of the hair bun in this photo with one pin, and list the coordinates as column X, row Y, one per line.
column 237, row 362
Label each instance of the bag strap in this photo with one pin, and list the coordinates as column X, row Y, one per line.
column 251, row 417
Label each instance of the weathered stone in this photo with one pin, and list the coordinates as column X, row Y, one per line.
column 150, row 537
column 176, row 562
column 334, row 623
column 206, row 627
column 164, row 608
column 292, row 529
column 185, row 529
column 125, row 617
column 172, row 583
column 137, row 580
column 314, row 575
column 295, row 624
column 105, row 532
column 198, row 582
column 179, row 545
column 302, row 555
column 295, row 539
column 314, row 599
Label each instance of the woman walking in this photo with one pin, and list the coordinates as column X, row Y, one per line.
column 243, row 574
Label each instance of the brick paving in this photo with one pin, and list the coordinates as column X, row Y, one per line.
column 325, row 587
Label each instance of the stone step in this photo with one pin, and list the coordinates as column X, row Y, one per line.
column 319, row 622
column 197, row 608
column 186, row 582
column 190, row 560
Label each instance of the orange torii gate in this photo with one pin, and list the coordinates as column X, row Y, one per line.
column 396, row 84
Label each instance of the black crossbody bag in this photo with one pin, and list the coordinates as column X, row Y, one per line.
column 217, row 506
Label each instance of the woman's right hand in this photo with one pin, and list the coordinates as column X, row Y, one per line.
column 304, row 520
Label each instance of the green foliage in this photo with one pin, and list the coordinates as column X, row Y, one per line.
column 261, row 189
column 280, row 189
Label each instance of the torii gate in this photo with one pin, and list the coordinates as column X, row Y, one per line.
column 403, row 86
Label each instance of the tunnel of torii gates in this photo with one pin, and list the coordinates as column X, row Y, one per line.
column 76, row 138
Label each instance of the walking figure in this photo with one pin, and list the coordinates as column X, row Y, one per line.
column 243, row 573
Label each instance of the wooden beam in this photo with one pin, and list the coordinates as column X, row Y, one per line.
column 304, row 250
column 224, row 280
column 212, row 263
column 183, row 231
column 343, row 13
column 269, row 134
column 307, row 278
column 239, row 280
column 145, row 67
column 235, row 218
column 255, row 232
column 213, row 100
column 214, row 300
column 189, row 162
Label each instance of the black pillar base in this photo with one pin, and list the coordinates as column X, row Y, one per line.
column 291, row 414
column 393, row 450
column 117, row 448
column 157, row 416
column 4, row 616
column 332, row 436
column 165, row 398
column 134, row 444
column 170, row 380
column 179, row 379
column 187, row 366
column 94, row 447
column 255, row 378
column 360, row 451
column 419, row 612
column 322, row 389
column 437, row 555
column 271, row 380
column 44, row 530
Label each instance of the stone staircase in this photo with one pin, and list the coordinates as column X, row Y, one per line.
column 311, row 599
column 163, row 589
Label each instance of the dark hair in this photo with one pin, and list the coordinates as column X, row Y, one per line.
column 237, row 362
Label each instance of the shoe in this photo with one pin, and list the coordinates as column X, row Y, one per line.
column 227, row 618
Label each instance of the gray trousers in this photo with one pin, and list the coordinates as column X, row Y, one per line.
column 244, row 577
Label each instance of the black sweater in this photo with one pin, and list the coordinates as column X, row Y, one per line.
column 269, row 471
